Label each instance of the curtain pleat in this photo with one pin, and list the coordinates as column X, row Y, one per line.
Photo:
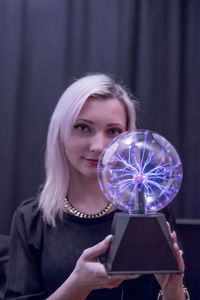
column 152, row 46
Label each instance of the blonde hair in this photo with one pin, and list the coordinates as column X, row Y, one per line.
column 64, row 116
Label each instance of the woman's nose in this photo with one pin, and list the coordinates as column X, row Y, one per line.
column 98, row 143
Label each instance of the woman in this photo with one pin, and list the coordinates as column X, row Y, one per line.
column 57, row 241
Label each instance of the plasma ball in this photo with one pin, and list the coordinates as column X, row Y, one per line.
column 141, row 161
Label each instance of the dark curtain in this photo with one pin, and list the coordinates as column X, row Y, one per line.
column 152, row 45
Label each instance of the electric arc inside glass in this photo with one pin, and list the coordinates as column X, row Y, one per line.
column 140, row 171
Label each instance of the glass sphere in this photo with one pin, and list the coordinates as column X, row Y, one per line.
column 140, row 171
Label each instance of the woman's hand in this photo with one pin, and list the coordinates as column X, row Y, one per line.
column 91, row 273
column 171, row 284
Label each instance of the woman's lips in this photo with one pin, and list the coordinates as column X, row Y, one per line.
column 92, row 161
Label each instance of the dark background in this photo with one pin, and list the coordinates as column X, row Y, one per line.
column 152, row 45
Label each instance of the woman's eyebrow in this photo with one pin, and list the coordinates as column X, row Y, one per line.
column 91, row 122
column 115, row 124
column 84, row 120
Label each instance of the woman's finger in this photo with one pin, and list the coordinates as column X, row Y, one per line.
column 123, row 277
column 115, row 280
column 113, row 283
column 178, row 252
column 174, row 236
column 180, row 260
column 169, row 227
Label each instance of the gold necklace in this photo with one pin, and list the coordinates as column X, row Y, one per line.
column 68, row 207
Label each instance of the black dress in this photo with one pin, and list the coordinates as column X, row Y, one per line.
column 42, row 257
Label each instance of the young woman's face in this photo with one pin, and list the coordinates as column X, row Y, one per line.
column 97, row 124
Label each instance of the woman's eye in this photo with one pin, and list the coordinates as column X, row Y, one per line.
column 81, row 127
column 114, row 131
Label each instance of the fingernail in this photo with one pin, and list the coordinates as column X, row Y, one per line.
column 108, row 237
column 175, row 246
column 174, row 233
column 168, row 225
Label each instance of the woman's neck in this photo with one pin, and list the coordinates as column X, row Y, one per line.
column 85, row 195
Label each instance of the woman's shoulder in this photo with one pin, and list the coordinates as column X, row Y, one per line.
column 28, row 205
column 28, row 216
column 28, row 208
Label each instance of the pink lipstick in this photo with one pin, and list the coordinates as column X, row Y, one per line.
column 92, row 161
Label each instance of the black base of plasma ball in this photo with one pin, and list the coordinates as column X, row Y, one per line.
column 141, row 244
